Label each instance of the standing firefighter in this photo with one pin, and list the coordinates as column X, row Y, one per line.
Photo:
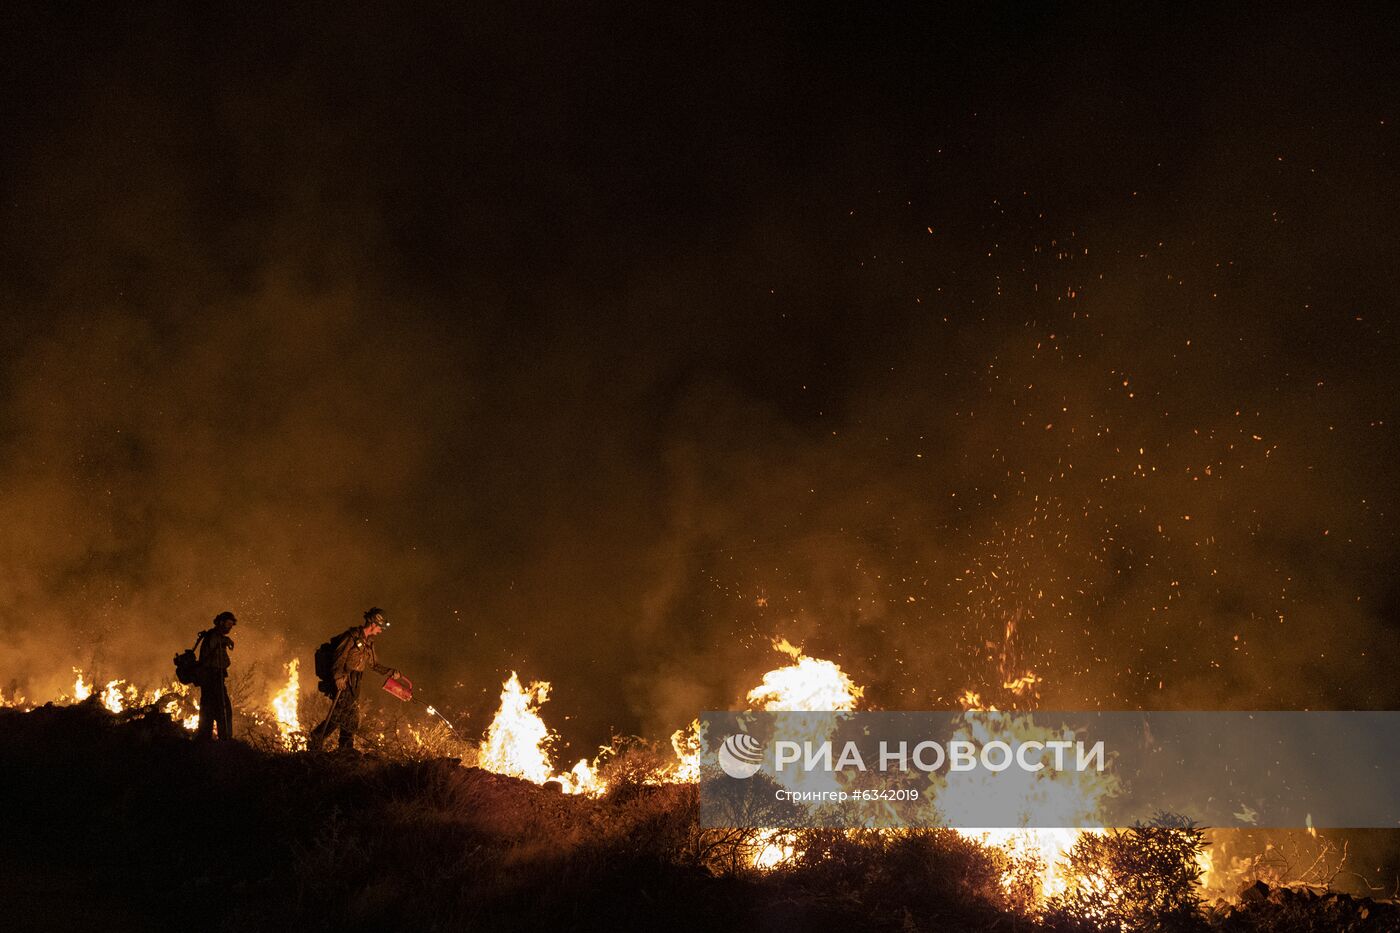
column 215, row 709
column 340, row 665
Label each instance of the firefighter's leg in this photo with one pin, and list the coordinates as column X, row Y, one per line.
column 225, row 718
column 322, row 732
column 350, row 715
column 206, row 710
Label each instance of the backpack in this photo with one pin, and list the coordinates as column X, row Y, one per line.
column 187, row 663
column 324, row 661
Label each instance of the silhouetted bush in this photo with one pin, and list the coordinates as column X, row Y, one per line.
column 1146, row 878
column 927, row 877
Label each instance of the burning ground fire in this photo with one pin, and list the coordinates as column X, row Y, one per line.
column 518, row 743
column 284, row 706
column 180, row 702
column 120, row 695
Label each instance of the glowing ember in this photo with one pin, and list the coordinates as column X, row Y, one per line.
column 1020, row 686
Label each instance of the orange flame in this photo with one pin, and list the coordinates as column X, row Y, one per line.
column 284, row 707
column 518, row 742
column 808, row 685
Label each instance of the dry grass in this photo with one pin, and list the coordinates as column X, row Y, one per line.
column 159, row 831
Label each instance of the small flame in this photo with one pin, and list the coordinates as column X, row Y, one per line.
column 687, row 743
column 284, row 706
column 184, row 701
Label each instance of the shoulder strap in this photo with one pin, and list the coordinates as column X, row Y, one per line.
column 199, row 639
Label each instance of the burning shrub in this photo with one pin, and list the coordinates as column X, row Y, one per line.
column 1145, row 878
column 629, row 766
column 924, row 876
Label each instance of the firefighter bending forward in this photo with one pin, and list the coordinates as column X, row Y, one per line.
column 353, row 654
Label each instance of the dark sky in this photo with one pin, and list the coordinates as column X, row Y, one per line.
column 606, row 343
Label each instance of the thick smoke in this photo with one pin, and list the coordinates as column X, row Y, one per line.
column 610, row 366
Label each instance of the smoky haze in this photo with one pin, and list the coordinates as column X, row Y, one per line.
column 607, row 350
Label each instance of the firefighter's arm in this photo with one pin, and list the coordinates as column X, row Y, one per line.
column 374, row 664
